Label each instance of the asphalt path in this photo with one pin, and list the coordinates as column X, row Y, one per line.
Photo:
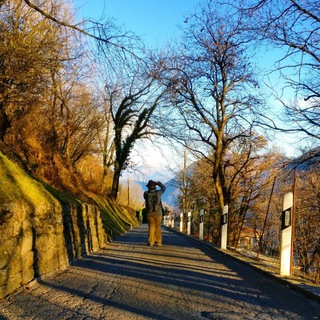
column 180, row 280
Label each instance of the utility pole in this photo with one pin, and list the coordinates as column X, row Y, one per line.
column 293, row 215
column 128, row 201
column 184, row 185
column 265, row 220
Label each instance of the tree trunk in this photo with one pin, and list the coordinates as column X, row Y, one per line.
column 115, row 183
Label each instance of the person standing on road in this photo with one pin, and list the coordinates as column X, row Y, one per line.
column 154, row 211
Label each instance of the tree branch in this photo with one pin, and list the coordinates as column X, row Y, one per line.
column 106, row 40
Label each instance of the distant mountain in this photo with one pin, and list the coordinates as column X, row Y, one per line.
column 306, row 161
column 170, row 197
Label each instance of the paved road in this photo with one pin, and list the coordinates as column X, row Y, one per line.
column 181, row 280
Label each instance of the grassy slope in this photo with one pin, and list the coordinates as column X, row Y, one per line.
column 116, row 219
column 17, row 186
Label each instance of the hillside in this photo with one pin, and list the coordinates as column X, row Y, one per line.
column 17, row 186
column 306, row 161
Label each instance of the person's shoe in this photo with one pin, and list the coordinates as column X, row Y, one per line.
column 159, row 244
column 150, row 245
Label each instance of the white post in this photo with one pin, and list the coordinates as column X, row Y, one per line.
column 201, row 224
column 224, row 227
column 286, row 235
column 189, row 223
column 181, row 222
column 172, row 220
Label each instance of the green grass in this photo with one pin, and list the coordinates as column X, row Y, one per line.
column 17, row 185
column 116, row 220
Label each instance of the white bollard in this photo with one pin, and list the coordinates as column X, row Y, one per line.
column 201, row 224
column 224, row 227
column 286, row 235
column 172, row 221
column 181, row 222
column 189, row 223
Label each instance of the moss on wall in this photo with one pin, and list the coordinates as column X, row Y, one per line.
column 43, row 230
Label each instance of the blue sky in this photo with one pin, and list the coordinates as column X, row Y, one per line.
column 155, row 21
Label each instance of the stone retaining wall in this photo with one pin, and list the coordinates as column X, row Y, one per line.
column 39, row 241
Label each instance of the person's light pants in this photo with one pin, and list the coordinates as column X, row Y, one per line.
column 155, row 235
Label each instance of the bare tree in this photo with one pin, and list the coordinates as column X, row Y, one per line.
column 294, row 27
column 106, row 140
column 22, row 19
column 212, row 87
column 138, row 119
column 104, row 31
column 306, row 248
column 131, row 95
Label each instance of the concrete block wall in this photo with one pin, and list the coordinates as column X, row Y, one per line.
column 39, row 241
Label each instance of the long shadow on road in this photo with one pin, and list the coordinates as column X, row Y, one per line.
column 182, row 270
column 180, row 280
